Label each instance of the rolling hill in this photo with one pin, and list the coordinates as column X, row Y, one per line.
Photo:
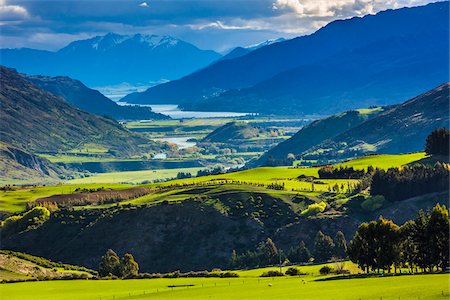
column 36, row 121
column 113, row 59
column 76, row 93
column 376, row 59
column 232, row 131
column 313, row 134
column 400, row 129
column 392, row 129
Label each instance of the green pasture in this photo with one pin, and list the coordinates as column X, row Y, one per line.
column 302, row 287
column 16, row 200
column 133, row 176
column 384, row 161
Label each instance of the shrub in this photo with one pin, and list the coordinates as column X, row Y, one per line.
column 31, row 218
column 272, row 273
column 293, row 271
column 314, row 209
column 326, row 270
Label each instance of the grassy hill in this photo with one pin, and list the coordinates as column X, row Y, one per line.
column 38, row 121
column 313, row 134
column 16, row 266
column 400, row 129
column 394, row 129
column 193, row 224
column 232, row 131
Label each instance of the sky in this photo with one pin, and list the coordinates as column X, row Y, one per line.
column 209, row 24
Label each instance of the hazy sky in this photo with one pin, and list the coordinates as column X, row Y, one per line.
column 209, row 24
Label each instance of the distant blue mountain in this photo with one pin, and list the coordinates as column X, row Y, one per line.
column 241, row 51
column 113, row 59
column 377, row 59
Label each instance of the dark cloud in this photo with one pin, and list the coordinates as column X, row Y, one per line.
column 213, row 24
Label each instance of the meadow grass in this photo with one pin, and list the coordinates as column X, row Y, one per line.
column 15, row 201
column 303, row 287
column 384, row 161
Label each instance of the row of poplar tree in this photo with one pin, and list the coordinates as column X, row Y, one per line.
column 422, row 243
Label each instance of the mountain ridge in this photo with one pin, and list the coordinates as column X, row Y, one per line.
column 207, row 88
column 113, row 59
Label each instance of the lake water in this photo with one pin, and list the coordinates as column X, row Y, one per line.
column 174, row 112
column 181, row 141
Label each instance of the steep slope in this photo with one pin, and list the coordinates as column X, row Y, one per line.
column 113, row 59
column 76, row 93
column 412, row 41
column 401, row 129
column 313, row 134
column 37, row 121
column 19, row 166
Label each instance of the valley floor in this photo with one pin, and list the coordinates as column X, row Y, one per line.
column 400, row 287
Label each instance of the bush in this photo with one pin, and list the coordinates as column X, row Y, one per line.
column 326, row 270
column 31, row 218
column 314, row 209
column 272, row 273
column 293, row 271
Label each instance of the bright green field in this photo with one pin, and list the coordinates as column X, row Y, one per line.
column 288, row 175
column 384, row 161
column 133, row 176
column 15, row 201
column 386, row 288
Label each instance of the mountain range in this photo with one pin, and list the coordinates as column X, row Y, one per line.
column 399, row 128
column 76, row 93
column 372, row 60
column 112, row 59
column 36, row 121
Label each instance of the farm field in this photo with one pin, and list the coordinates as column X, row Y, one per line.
column 16, row 200
column 304, row 287
column 133, row 176
column 288, row 175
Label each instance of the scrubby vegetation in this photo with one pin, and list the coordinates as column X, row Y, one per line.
column 18, row 223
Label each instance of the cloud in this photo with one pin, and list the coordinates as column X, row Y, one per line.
column 209, row 24
column 10, row 13
column 340, row 8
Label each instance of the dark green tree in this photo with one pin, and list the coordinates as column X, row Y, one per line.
column 269, row 252
column 323, row 247
column 128, row 266
column 299, row 254
column 340, row 245
column 110, row 264
column 438, row 233
column 437, row 142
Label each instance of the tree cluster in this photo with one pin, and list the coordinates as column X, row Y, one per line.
column 112, row 265
column 267, row 253
column 183, row 175
column 409, row 181
column 330, row 172
column 437, row 142
column 420, row 243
